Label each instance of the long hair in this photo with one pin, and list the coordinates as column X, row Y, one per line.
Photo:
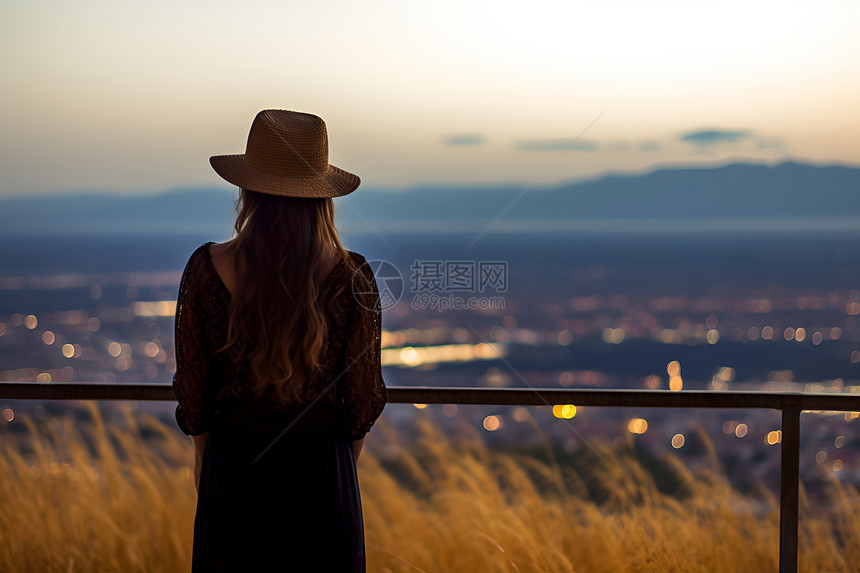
column 276, row 316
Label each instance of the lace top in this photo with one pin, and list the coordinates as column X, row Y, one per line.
column 211, row 385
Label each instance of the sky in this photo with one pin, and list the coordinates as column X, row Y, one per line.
column 133, row 97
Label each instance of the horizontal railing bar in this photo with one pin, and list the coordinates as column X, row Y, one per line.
column 487, row 396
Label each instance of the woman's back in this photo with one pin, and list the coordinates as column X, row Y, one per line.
column 220, row 386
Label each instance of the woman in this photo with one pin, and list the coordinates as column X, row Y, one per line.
column 278, row 373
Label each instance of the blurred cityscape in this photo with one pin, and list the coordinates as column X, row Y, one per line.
column 658, row 313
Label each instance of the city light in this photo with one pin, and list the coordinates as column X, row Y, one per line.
column 161, row 308
column 412, row 356
column 521, row 414
column 637, row 426
column 564, row 411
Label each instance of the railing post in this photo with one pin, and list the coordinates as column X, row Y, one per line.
column 789, row 489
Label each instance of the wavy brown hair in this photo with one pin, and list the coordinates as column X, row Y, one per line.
column 276, row 316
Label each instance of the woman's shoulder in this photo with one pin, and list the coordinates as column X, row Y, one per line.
column 198, row 257
column 359, row 266
column 356, row 258
column 199, row 265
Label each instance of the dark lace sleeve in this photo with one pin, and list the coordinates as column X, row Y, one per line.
column 364, row 389
column 193, row 356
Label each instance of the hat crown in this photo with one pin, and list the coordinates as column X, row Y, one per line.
column 288, row 144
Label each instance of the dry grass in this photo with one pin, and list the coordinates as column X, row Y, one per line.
column 108, row 499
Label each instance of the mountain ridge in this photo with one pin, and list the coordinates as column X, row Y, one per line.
column 736, row 191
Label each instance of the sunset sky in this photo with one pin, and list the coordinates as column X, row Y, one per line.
column 135, row 96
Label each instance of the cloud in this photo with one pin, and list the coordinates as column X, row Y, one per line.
column 555, row 145
column 709, row 137
column 650, row 145
column 463, row 139
column 770, row 144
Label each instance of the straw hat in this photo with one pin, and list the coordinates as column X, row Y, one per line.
column 287, row 154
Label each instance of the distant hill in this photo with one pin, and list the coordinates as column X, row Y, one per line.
column 740, row 195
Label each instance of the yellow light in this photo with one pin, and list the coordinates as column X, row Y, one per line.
column 713, row 336
column 789, row 333
column 726, row 373
column 835, row 333
column 491, row 423
column 767, row 333
column 839, row 441
column 7, row 414
column 838, row 465
column 851, row 416
column 637, row 426
column 30, row 322
column 820, row 457
column 673, row 368
column 741, row 430
column 44, row 377
column 68, row 350
column 151, row 349
column 817, row 337
column 676, row 384
column 162, row 308
column 853, row 308
column 48, row 337
column 410, row 356
column 614, row 335
column 420, row 406
column 774, row 437
column 678, row 441
column 800, row 334
column 855, row 356
column 114, row 349
column 486, row 350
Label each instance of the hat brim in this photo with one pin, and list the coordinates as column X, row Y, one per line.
column 334, row 182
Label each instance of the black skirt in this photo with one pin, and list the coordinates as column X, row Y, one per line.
column 272, row 499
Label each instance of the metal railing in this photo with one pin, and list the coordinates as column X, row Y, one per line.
column 790, row 404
